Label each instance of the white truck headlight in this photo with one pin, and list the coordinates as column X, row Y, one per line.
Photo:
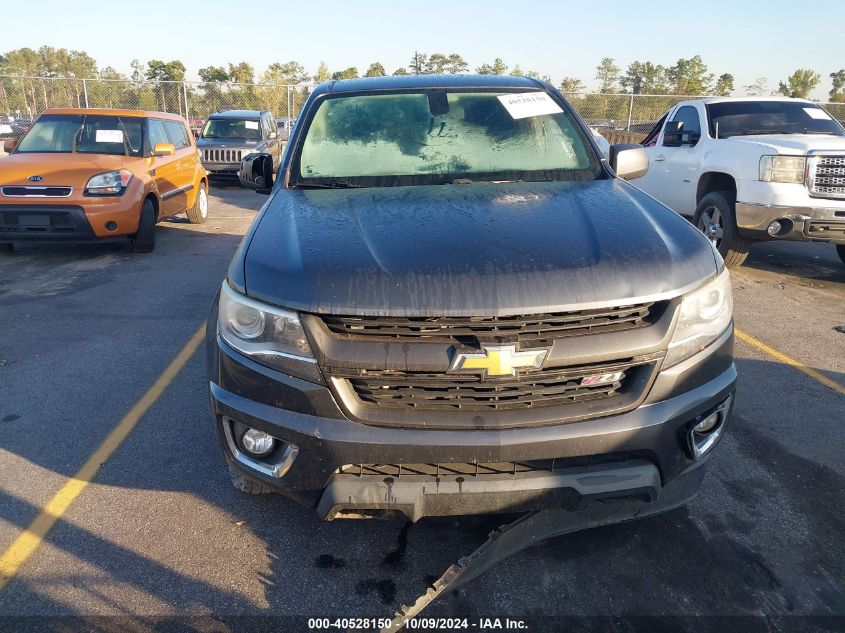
column 789, row 169
column 262, row 332
column 705, row 314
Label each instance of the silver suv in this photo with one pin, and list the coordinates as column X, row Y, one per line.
column 230, row 135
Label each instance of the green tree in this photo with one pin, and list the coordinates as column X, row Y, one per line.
column 800, row 83
column 456, row 64
column 323, row 73
column 645, row 78
column 375, row 70
column 418, row 63
column 289, row 73
column 837, row 91
column 349, row 73
column 724, row 85
column 571, row 85
column 607, row 72
column 498, row 67
column 242, row 73
column 690, row 77
column 760, row 88
column 216, row 74
column 401, row 71
column 516, row 71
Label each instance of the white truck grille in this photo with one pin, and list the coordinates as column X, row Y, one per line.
column 827, row 176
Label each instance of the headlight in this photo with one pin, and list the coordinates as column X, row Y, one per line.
column 112, row 183
column 705, row 315
column 262, row 332
column 783, row 169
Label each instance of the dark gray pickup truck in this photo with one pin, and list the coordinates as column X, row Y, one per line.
column 230, row 135
column 452, row 304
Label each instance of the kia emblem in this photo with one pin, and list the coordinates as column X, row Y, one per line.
column 36, row 178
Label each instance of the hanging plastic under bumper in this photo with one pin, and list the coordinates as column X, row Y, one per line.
column 417, row 497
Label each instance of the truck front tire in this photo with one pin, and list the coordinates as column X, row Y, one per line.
column 715, row 216
column 840, row 250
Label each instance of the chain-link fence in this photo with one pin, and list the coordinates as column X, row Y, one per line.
column 23, row 98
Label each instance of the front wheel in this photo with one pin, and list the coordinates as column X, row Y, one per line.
column 198, row 213
column 715, row 217
column 144, row 240
column 840, row 250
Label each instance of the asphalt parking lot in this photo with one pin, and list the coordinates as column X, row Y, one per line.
column 87, row 330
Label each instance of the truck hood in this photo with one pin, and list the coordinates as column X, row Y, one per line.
column 486, row 248
column 67, row 169
column 795, row 143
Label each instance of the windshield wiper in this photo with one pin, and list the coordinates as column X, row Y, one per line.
column 324, row 185
column 755, row 132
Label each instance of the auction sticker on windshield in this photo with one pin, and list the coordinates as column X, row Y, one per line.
column 817, row 113
column 251, row 125
column 109, row 136
column 526, row 104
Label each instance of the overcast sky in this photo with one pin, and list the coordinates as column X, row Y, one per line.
column 748, row 39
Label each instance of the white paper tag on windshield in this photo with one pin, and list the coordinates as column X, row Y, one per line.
column 526, row 104
column 817, row 113
column 109, row 136
column 251, row 125
column 5, row 129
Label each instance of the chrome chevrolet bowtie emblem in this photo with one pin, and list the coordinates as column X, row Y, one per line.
column 498, row 360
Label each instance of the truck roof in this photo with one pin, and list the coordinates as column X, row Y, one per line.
column 772, row 98
column 237, row 114
column 404, row 82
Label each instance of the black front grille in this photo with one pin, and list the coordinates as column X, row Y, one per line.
column 36, row 221
column 826, row 230
column 548, row 387
column 37, row 192
column 530, row 329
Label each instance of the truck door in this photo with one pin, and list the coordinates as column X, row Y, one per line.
column 674, row 163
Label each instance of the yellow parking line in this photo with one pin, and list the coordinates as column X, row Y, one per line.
column 771, row 351
column 26, row 544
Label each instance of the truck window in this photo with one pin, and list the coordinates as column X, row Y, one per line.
column 690, row 118
column 738, row 118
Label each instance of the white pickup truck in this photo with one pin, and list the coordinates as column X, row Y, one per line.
column 755, row 168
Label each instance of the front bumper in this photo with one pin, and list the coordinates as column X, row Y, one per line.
column 222, row 170
column 798, row 223
column 639, row 453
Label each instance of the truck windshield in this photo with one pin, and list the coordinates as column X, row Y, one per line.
column 232, row 128
column 439, row 137
column 739, row 118
column 87, row 134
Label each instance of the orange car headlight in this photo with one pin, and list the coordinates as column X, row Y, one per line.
column 112, row 183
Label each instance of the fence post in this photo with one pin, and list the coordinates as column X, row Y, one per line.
column 185, row 94
column 85, row 91
column 288, row 104
column 630, row 112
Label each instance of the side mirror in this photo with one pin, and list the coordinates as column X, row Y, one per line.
column 257, row 172
column 672, row 134
column 274, row 135
column 628, row 160
column 164, row 149
column 9, row 145
column 675, row 136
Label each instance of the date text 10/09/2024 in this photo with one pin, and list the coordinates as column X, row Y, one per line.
column 418, row 624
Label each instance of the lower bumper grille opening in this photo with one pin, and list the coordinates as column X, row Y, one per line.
column 439, row 470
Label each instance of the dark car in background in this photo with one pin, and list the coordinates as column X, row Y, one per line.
column 230, row 135
column 452, row 303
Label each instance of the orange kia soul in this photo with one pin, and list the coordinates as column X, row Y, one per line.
column 84, row 174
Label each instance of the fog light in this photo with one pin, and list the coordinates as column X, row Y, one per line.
column 774, row 228
column 707, row 424
column 257, row 442
column 703, row 435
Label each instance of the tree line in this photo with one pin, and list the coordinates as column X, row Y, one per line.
column 687, row 76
